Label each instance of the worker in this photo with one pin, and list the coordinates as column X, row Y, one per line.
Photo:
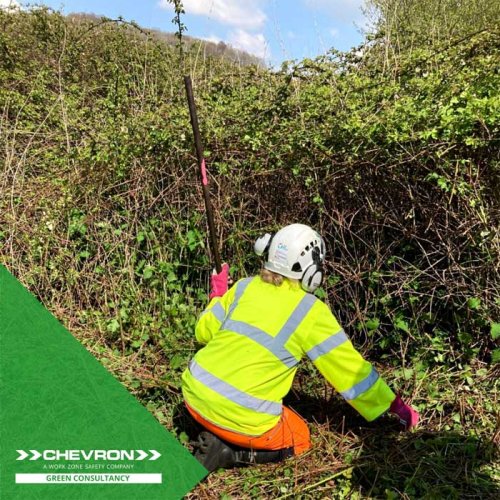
column 256, row 333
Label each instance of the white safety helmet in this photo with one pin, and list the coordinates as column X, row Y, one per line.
column 297, row 252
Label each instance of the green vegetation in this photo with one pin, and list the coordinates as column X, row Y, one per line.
column 391, row 151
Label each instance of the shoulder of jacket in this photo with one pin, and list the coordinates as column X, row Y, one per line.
column 247, row 279
column 243, row 281
column 320, row 308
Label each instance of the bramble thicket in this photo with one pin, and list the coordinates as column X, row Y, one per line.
column 390, row 150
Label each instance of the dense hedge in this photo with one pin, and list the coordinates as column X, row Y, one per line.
column 395, row 160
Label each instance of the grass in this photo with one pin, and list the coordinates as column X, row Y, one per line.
column 453, row 453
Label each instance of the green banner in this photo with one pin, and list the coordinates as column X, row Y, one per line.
column 68, row 428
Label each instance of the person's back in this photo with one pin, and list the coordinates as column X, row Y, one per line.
column 254, row 345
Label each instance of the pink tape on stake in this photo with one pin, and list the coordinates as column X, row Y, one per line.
column 204, row 179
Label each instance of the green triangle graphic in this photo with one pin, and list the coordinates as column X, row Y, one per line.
column 54, row 397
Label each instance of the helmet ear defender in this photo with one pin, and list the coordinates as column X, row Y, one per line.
column 261, row 246
column 313, row 275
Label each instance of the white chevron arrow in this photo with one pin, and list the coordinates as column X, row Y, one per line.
column 36, row 455
column 142, row 456
column 22, row 454
column 154, row 455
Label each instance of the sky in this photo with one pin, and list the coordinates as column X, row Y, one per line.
column 274, row 30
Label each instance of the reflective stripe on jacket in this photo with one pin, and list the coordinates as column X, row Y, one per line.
column 256, row 334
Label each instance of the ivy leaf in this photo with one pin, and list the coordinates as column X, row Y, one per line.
column 113, row 326
column 495, row 330
column 183, row 437
column 176, row 361
column 148, row 272
column 474, row 303
column 372, row 324
column 495, row 356
column 402, row 325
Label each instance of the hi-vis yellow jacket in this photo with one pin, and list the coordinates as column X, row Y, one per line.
column 255, row 336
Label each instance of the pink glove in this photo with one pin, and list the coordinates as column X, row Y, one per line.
column 219, row 282
column 408, row 417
